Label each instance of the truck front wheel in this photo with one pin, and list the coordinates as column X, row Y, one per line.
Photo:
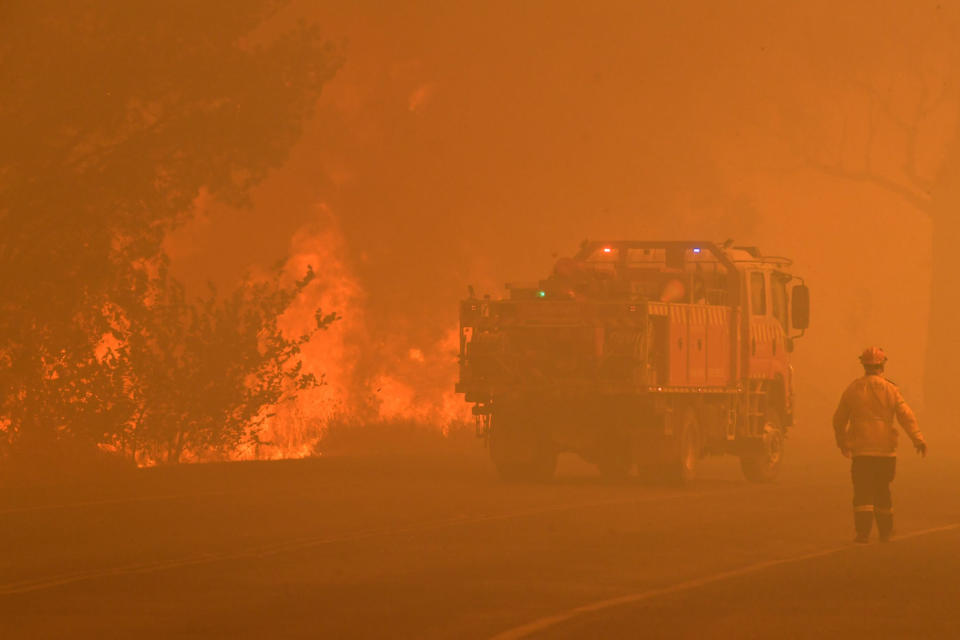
column 763, row 463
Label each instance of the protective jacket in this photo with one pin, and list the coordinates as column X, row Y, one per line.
column 863, row 422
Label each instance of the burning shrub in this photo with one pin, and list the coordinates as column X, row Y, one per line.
column 204, row 376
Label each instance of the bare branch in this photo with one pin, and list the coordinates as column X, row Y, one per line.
column 871, row 138
column 918, row 199
column 882, row 102
column 910, row 164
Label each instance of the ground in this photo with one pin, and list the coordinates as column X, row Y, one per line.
column 433, row 546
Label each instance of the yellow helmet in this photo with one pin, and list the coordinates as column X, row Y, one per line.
column 873, row 356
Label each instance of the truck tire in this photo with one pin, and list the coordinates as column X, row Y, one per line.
column 685, row 449
column 763, row 464
column 521, row 455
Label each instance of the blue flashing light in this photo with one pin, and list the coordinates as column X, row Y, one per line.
column 696, row 250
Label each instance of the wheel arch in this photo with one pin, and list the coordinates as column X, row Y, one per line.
column 777, row 398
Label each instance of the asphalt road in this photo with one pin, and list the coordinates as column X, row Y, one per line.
column 434, row 547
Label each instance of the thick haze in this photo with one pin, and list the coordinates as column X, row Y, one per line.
column 468, row 143
column 285, row 455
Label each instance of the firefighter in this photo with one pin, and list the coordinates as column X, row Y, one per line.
column 864, row 429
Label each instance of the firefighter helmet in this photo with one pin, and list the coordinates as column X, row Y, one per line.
column 873, row 356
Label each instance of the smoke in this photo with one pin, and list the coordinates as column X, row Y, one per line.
column 467, row 145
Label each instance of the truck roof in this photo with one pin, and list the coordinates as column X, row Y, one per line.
column 730, row 255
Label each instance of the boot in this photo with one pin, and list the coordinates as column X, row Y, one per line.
column 884, row 525
column 863, row 521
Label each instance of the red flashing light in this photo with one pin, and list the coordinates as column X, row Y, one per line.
column 607, row 250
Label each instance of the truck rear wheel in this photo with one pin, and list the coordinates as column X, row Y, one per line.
column 521, row 455
column 763, row 464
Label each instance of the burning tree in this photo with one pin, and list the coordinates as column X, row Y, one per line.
column 114, row 117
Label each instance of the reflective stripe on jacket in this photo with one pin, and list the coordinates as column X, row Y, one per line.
column 863, row 422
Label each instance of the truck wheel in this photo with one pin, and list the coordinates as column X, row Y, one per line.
column 686, row 449
column 521, row 456
column 762, row 465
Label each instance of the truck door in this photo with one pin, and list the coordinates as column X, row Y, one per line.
column 781, row 326
column 760, row 344
column 697, row 350
column 679, row 345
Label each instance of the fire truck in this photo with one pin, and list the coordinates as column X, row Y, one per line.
column 637, row 354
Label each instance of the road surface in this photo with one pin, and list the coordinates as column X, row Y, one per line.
column 432, row 546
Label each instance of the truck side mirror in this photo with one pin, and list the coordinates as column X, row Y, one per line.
column 800, row 307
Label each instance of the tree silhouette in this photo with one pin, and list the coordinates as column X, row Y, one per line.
column 899, row 130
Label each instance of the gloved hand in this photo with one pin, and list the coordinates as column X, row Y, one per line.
column 921, row 448
column 845, row 451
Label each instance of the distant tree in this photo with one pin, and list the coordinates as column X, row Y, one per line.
column 114, row 116
column 894, row 123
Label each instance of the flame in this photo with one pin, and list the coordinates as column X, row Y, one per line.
column 416, row 385
column 108, row 343
column 431, row 399
column 331, row 355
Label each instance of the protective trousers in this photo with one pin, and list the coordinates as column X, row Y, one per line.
column 872, row 476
